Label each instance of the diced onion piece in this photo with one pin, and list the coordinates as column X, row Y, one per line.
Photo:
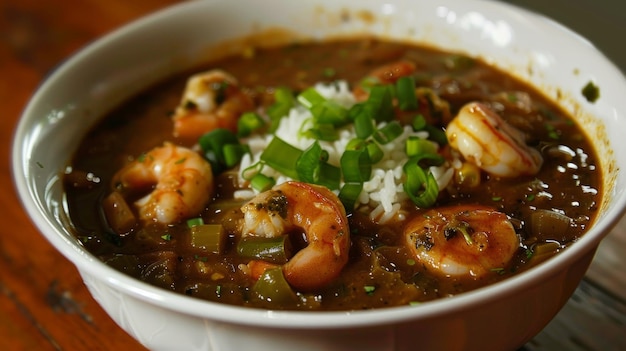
column 208, row 237
column 549, row 224
column 118, row 213
column 468, row 175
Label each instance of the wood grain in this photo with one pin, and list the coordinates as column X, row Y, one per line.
column 43, row 302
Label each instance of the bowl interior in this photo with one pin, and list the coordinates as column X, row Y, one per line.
column 128, row 60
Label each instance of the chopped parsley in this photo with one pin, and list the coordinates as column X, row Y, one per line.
column 591, row 92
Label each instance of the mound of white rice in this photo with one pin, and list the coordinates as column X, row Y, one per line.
column 383, row 194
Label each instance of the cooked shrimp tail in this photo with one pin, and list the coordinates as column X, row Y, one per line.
column 317, row 212
column 463, row 240
column 485, row 139
column 211, row 100
column 180, row 180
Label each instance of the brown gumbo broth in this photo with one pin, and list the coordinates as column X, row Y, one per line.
column 381, row 270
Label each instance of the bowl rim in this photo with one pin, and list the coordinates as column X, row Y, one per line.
column 87, row 264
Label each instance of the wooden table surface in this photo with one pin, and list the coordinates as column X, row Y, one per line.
column 43, row 302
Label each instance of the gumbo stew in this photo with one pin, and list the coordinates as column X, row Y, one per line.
column 336, row 175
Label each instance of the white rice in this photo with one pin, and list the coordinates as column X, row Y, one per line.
column 383, row 193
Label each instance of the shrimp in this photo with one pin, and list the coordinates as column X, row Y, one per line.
column 181, row 181
column 387, row 74
column 211, row 100
column 487, row 141
column 462, row 240
column 315, row 210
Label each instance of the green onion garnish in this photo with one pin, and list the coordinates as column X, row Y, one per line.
column 379, row 104
column 261, row 182
column 329, row 112
column 283, row 102
column 310, row 97
column 192, row 222
column 420, row 184
column 436, row 134
column 389, row 132
column 363, row 125
column 213, row 144
column 233, row 153
column 349, row 194
column 322, row 131
column 416, row 146
column 309, row 163
column 249, row 122
column 419, row 122
column 282, row 156
column 405, row 92
column 356, row 166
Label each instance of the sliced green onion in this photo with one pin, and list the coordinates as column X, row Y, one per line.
column 363, row 125
column 310, row 97
column 356, row 166
column 374, row 151
column 349, row 194
column 249, row 172
column 309, row 162
column 417, row 146
column 420, row 185
column 379, row 104
column 329, row 112
column 419, row 122
column 282, row 156
column 283, row 102
column 329, row 176
column 261, row 182
column 388, row 133
column 192, row 222
column 436, row 134
column 233, row 154
column 249, row 122
column 405, row 92
column 368, row 82
column 213, row 143
column 356, row 144
column 275, row 250
column 208, row 237
column 322, row 131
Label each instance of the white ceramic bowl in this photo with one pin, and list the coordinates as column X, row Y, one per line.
column 500, row 317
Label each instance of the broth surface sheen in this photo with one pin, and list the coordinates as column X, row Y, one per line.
column 547, row 211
